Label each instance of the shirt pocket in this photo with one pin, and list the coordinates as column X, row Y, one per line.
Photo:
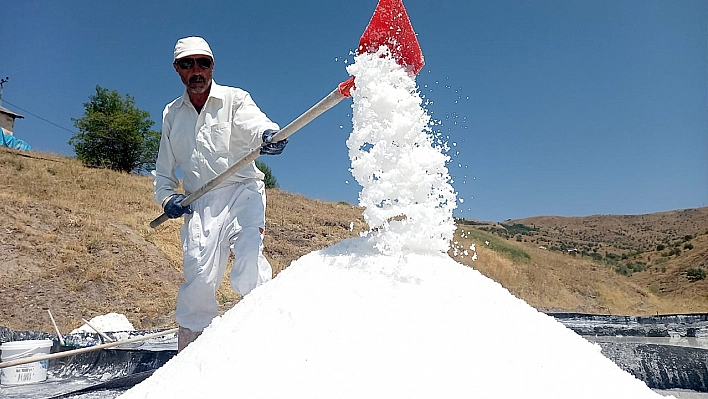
column 221, row 137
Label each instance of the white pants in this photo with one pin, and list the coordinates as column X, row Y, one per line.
column 230, row 217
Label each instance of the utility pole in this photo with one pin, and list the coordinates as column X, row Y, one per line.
column 2, row 84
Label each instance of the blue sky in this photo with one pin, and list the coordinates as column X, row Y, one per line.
column 564, row 107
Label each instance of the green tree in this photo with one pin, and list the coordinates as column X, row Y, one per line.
column 114, row 134
column 269, row 180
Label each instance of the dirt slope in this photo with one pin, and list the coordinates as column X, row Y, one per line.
column 76, row 241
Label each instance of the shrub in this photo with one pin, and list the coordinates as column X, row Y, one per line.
column 269, row 179
column 612, row 259
column 696, row 273
column 623, row 270
column 518, row 228
column 497, row 245
column 628, row 269
column 639, row 266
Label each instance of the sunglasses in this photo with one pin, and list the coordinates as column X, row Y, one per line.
column 188, row 63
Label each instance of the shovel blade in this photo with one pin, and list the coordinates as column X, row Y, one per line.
column 390, row 26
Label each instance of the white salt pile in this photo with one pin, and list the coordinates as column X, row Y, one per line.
column 389, row 315
column 349, row 322
column 110, row 322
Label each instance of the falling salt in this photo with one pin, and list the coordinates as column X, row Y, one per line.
column 406, row 189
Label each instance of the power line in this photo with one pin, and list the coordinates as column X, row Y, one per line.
column 39, row 117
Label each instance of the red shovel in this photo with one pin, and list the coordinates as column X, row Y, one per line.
column 389, row 26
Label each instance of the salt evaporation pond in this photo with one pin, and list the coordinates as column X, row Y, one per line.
column 389, row 314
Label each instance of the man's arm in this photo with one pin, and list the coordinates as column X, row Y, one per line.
column 248, row 117
column 165, row 182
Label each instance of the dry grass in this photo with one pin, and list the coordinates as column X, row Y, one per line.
column 556, row 282
column 72, row 241
column 619, row 233
column 77, row 241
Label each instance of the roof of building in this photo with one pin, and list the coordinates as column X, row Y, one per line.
column 13, row 114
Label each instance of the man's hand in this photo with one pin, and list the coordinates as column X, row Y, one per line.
column 271, row 148
column 173, row 209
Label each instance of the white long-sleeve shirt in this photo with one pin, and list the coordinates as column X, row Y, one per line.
column 205, row 144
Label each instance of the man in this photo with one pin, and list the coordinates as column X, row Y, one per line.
column 205, row 131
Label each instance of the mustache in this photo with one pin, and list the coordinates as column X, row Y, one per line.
column 197, row 79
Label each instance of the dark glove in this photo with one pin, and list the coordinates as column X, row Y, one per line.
column 270, row 148
column 173, row 209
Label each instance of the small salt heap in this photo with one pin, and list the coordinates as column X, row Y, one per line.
column 110, row 322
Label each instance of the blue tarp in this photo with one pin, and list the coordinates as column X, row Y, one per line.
column 11, row 141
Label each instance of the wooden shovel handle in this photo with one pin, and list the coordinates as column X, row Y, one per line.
column 308, row 116
column 32, row 359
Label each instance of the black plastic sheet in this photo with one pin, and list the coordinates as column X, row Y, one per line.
column 666, row 352
column 99, row 374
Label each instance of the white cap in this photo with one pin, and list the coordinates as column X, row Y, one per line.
column 192, row 46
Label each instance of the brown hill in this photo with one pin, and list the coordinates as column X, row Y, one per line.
column 660, row 253
column 623, row 233
column 76, row 241
column 657, row 250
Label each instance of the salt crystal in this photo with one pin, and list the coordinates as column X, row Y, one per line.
column 390, row 147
